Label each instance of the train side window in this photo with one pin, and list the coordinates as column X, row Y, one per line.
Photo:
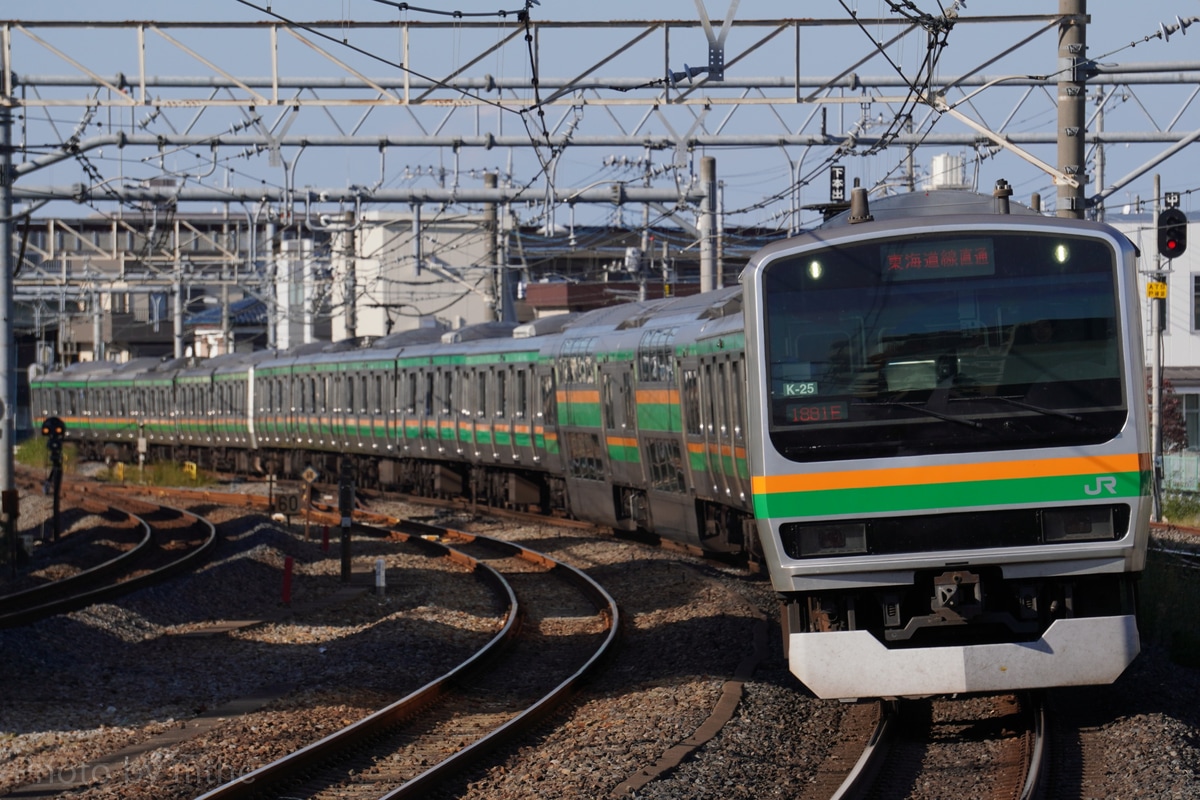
column 630, row 399
column 586, row 456
column 522, row 394
column 708, row 423
column 481, row 393
column 606, row 391
column 447, row 391
column 501, row 398
column 666, row 465
column 549, row 401
column 363, row 395
column 348, row 380
column 721, row 400
column 410, row 399
column 691, row 402
column 735, row 396
column 378, row 396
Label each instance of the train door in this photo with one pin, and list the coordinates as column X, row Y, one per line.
column 620, row 422
column 476, row 432
column 307, row 411
column 291, row 407
column 363, row 420
column 208, row 435
column 445, row 415
column 715, row 427
column 739, row 476
column 503, row 446
column 337, row 408
column 545, row 420
column 521, row 416
column 724, row 457
column 381, row 393
column 408, row 421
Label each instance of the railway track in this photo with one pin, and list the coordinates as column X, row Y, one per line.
column 984, row 747
column 152, row 543
column 559, row 625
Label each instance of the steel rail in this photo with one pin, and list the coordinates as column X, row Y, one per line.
column 32, row 605
column 297, row 763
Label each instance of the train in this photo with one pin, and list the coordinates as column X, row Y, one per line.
column 926, row 418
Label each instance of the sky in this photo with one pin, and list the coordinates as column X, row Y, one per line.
column 757, row 180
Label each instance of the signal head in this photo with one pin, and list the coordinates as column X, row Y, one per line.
column 1172, row 233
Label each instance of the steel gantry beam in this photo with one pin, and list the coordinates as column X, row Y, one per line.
column 279, row 84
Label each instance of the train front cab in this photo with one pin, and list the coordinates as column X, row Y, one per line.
column 932, row 525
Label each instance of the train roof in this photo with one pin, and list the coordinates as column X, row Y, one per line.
column 933, row 203
column 409, row 337
column 909, row 213
column 483, row 330
column 670, row 310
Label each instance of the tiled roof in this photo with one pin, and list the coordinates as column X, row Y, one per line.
column 248, row 311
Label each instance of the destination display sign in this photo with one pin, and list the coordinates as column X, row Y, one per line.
column 833, row 411
column 947, row 258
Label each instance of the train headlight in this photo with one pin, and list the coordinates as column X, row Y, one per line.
column 823, row 539
column 1086, row 524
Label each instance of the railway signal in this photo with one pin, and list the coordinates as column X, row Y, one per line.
column 55, row 430
column 1172, row 233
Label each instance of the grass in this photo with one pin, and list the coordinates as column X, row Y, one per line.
column 1182, row 508
column 159, row 473
column 34, row 453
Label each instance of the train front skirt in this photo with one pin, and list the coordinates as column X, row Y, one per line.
column 853, row 664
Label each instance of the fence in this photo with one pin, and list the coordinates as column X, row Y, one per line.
column 1181, row 472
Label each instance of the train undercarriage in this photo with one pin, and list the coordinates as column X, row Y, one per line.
column 711, row 526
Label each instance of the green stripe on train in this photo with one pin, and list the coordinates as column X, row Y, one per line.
column 659, row 417
column 625, row 453
column 944, row 496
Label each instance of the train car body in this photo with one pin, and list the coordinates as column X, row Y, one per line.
column 930, row 427
column 952, row 484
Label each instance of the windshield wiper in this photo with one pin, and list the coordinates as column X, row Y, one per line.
column 930, row 412
column 1053, row 412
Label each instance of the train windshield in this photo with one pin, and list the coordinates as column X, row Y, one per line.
column 936, row 343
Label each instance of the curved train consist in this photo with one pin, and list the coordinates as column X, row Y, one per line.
column 930, row 425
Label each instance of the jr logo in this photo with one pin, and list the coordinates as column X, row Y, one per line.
column 1104, row 483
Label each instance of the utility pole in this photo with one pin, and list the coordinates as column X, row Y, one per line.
column 708, row 223
column 9, row 504
column 1072, row 99
column 496, row 284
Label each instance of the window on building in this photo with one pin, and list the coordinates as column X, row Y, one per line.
column 1191, row 419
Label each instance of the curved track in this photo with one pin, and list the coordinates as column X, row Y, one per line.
column 168, row 541
column 559, row 625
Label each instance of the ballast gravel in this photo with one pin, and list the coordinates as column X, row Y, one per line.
column 79, row 688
